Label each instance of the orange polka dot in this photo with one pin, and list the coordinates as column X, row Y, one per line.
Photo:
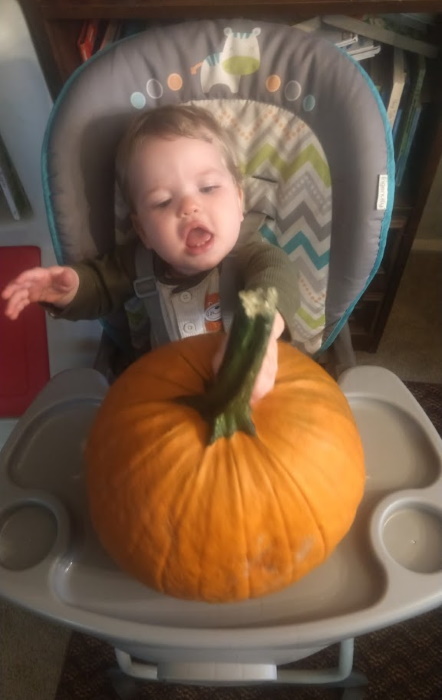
column 273, row 83
column 174, row 81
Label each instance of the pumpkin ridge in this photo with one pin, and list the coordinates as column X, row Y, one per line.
column 275, row 461
column 178, row 506
column 269, row 453
column 237, row 473
column 227, row 463
column 184, row 502
column 203, row 473
column 141, row 454
column 283, row 517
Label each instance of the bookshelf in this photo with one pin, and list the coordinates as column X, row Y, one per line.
column 55, row 26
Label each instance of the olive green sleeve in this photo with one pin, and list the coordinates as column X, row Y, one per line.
column 265, row 265
column 106, row 283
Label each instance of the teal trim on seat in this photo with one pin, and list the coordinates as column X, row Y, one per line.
column 44, row 151
column 386, row 221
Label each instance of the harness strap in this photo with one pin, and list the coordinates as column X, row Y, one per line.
column 145, row 287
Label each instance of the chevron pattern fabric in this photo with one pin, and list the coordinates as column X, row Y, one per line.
column 286, row 177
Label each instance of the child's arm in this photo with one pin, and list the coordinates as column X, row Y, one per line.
column 87, row 290
column 265, row 381
column 53, row 285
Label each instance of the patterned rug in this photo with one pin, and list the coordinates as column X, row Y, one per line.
column 402, row 662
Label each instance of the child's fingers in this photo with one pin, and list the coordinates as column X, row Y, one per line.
column 18, row 308
column 23, row 290
column 9, row 290
column 16, row 304
column 23, row 281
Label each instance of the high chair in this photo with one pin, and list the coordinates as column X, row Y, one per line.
column 316, row 150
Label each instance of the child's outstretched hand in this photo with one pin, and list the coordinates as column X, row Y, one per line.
column 53, row 285
column 265, row 381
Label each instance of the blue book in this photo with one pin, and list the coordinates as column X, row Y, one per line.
column 403, row 157
column 417, row 72
column 397, row 122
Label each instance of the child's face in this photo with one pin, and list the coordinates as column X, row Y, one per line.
column 187, row 206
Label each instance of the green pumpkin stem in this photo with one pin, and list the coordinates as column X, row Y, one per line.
column 226, row 404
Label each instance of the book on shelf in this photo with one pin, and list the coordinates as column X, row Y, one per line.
column 339, row 37
column 417, row 25
column 88, row 37
column 397, row 123
column 363, row 48
column 410, row 105
column 110, row 33
column 401, row 161
column 397, row 84
column 356, row 46
column 10, row 185
column 97, row 34
column 388, row 72
column 132, row 26
column 375, row 28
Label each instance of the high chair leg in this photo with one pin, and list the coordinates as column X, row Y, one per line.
column 343, row 349
column 340, row 356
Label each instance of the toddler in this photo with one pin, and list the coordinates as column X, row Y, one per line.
column 177, row 172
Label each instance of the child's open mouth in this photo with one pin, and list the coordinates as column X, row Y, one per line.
column 198, row 240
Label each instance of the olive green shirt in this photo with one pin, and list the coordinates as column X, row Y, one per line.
column 106, row 282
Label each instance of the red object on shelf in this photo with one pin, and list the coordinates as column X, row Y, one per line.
column 88, row 37
column 24, row 356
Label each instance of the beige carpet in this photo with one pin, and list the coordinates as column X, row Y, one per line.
column 32, row 650
column 400, row 662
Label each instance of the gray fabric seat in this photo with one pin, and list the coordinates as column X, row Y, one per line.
column 216, row 62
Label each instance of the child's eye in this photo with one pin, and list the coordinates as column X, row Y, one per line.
column 208, row 188
column 161, row 205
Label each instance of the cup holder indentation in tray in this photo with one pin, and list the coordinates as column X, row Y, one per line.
column 27, row 534
column 412, row 535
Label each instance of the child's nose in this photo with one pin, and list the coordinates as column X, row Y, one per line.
column 188, row 206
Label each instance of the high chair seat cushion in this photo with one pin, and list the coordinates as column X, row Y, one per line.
column 279, row 68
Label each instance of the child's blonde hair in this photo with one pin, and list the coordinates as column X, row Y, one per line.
column 168, row 122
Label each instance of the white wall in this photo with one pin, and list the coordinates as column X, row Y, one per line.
column 25, row 103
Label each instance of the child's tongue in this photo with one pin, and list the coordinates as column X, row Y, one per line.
column 197, row 236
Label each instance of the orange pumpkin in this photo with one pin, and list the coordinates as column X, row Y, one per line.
column 243, row 516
